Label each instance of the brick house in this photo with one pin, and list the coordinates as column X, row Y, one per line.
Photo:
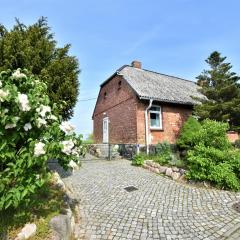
column 138, row 106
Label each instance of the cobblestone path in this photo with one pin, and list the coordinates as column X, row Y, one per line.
column 159, row 209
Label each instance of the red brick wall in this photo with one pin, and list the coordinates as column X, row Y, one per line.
column 173, row 117
column 232, row 136
column 119, row 105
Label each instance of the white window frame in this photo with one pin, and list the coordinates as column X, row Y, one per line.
column 160, row 117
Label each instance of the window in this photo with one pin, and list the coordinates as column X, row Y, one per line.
column 119, row 85
column 155, row 117
column 105, row 95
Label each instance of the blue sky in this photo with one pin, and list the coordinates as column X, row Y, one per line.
column 172, row 37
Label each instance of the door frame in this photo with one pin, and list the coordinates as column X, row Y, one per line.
column 105, row 137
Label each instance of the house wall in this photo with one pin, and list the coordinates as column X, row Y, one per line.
column 173, row 117
column 120, row 106
column 232, row 136
column 126, row 116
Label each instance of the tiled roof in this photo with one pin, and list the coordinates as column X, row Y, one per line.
column 161, row 87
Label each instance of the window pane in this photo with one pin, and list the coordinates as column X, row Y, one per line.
column 154, row 119
column 155, row 108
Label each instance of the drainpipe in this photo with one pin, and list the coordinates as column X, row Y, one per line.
column 146, row 125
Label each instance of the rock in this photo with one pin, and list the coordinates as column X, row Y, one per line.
column 58, row 181
column 151, row 169
column 73, row 165
column 156, row 170
column 28, row 231
column 145, row 166
column 115, row 148
column 98, row 152
column 149, row 162
column 162, row 169
column 175, row 175
column 156, row 165
column 169, row 172
column 175, row 169
column 182, row 178
column 61, row 226
column 182, row 171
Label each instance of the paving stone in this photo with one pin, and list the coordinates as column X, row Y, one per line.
column 160, row 209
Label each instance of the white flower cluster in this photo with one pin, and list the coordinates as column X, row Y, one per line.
column 27, row 127
column 42, row 110
column 3, row 95
column 0, row 83
column 67, row 127
column 39, row 149
column 24, row 103
column 10, row 125
column 41, row 122
column 68, row 145
column 17, row 74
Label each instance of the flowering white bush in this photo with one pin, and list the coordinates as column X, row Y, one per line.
column 31, row 132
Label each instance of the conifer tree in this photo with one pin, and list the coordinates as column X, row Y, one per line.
column 33, row 47
column 221, row 87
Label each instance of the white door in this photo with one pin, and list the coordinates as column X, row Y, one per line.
column 105, row 130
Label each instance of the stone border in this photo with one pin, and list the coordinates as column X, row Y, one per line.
column 175, row 173
column 63, row 225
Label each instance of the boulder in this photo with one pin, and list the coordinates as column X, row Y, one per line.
column 145, row 166
column 175, row 175
column 149, row 162
column 175, row 169
column 58, row 181
column 98, row 152
column 61, row 225
column 156, row 170
column 169, row 172
column 162, row 169
column 156, row 165
column 28, row 231
column 73, row 165
column 182, row 178
column 182, row 171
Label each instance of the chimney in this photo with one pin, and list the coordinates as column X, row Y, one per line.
column 136, row 64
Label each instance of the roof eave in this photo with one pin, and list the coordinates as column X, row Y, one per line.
column 166, row 101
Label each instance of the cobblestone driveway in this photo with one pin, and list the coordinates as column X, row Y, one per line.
column 159, row 209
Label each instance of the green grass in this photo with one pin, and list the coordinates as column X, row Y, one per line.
column 44, row 205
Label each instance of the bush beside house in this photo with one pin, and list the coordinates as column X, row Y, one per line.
column 209, row 156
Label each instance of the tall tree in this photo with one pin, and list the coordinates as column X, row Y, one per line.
column 34, row 48
column 221, row 87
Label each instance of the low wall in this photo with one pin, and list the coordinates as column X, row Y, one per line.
column 114, row 151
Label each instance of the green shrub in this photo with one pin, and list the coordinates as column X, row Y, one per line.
column 179, row 163
column 237, row 143
column 190, row 128
column 138, row 160
column 213, row 158
column 163, row 153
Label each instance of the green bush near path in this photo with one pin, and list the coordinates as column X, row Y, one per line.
column 213, row 158
column 138, row 160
